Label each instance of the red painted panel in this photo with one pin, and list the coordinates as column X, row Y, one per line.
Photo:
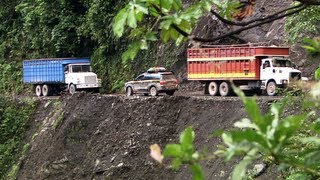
column 237, row 52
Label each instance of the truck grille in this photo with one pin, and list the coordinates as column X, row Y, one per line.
column 90, row 79
column 295, row 76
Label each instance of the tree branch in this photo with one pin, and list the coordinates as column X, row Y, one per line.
column 254, row 20
column 310, row 2
column 264, row 21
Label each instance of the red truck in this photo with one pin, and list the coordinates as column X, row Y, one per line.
column 250, row 68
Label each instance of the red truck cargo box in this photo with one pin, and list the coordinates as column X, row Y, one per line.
column 229, row 62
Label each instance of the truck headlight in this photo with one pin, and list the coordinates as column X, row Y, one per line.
column 284, row 81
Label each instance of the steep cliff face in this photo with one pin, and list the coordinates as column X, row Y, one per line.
column 271, row 33
column 108, row 137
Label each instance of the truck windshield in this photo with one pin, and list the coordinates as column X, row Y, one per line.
column 81, row 68
column 282, row 63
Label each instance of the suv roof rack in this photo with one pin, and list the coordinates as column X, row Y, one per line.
column 156, row 69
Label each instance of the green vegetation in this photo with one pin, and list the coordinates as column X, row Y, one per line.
column 290, row 142
column 303, row 24
column 14, row 116
column 42, row 29
column 185, row 153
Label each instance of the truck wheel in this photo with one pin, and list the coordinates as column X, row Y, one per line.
column 38, row 90
column 271, row 88
column 170, row 93
column 46, row 90
column 72, row 89
column 213, row 88
column 153, row 91
column 224, row 89
column 129, row 91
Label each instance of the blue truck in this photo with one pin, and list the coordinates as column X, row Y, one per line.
column 51, row 76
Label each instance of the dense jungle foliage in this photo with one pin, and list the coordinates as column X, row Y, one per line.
column 68, row 28
column 14, row 116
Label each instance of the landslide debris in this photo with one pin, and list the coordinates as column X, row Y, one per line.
column 89, row 136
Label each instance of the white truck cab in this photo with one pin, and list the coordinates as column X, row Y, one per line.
column 80, row 76
column 277, row 72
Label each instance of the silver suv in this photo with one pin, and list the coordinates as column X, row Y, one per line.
column 153, row 82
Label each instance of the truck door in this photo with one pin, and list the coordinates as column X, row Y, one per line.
column 68, row 75
column 266, row 70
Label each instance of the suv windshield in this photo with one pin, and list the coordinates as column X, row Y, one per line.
column 81, row 68
column 282, row 63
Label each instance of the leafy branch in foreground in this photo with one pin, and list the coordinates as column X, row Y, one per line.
column 272, row 136
column 291, row 142
column 183, row 153
column 167, row 19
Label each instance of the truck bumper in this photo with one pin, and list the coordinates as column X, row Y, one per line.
column 86, row 86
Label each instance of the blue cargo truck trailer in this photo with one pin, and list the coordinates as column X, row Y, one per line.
column 49, row 76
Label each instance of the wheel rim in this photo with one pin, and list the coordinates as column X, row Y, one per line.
column 224, row 89
column 72, row 89
column 153, row 91
column 45, row 90
column 38, row 90
column 213, row 88
column 271, row 89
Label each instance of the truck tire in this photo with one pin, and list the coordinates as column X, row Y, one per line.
column 224, row 89
column 72, row 89
column 46, row 90
column 271, row 88
column 153, row 91
column 213, row 88
column 129, row 91
column 38, row 90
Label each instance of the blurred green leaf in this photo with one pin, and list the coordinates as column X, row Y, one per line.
column 173, row 150
column 187, row 138
column 313, row 46
column 151, row 36
column 176, row 163
column 165, row 35
column 317, row 74
column 313, row 159
column 131, row 52
column 131, row 20
column 240, row 170
column 197, row 172
column 177, row 4
column 314, row 140
column 119, row 22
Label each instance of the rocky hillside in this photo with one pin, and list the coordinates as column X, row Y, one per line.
column 108, row 137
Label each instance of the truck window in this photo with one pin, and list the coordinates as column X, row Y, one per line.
column 282, row 63
column 81, row 68
column 66, row 69
column 266, row 64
